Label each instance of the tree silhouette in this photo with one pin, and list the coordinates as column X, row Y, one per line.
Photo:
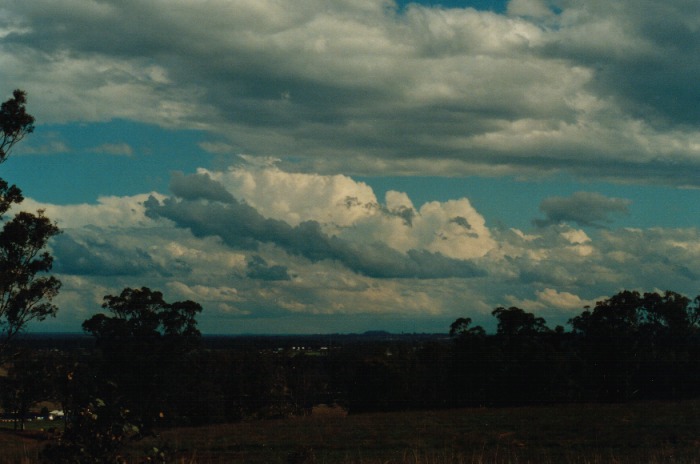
column 15, row 122
column 26, row 291
column 143, row 345
column 132, row 382
column 462, row 328
column 640, row 345
column 471, row 361
column 32, row 377
column 514, row 321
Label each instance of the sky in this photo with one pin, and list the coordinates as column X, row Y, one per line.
column 342, row 166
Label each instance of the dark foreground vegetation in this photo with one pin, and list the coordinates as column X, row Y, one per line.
column 631, row 433
column 623, row 381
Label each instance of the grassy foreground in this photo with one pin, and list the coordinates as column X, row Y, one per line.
column 653, row 432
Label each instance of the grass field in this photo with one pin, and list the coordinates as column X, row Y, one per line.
column 654, row 432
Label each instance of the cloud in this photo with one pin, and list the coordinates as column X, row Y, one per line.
column 582, row 208
column 43, row 144
column 365, row 87
column 549, row 299
column 259, row 269
column 349, row 210
column 109, row 211
column 199, row 186
column 632, row 47
column 241, row 226
column 337, row 201
column 663, row 258
column 218, row 148
column 118, row 149
column 298, row 252
column 223, row 299
column 530, row 8
column 91, row 255
column 454, row 228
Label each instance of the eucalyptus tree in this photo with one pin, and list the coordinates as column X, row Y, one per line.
column 26, row 288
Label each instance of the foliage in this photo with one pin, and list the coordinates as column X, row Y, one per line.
column 630, row 433
column 640, row 346
column 143, row 316
column 25, row 291
column 15, row 122
column 96, row 433
column 143, row 345
column 32, row 376
column 654, row 354
column 628, row 347
column 462, row 328
column 514, row 322
column 25, row 294
column 133, row 381
column 629, row 313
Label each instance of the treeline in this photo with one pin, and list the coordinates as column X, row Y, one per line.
column 631, row 346
column 147, row 368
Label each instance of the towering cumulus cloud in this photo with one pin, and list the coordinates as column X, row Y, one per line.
column 256, row 245
column 206, row 208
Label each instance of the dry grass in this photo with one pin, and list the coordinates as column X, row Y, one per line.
column 585, row 434
column 645, row 432
column 20, row 447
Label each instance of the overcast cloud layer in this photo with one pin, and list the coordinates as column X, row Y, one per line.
column 365, row 87
column 298, row 99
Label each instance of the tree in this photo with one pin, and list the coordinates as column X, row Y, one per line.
column 26, row 291
column 616, row 316
column 31, row 377
column 15, row 122
column 96, row 433
column 640, row 345
column 144, row 344
column 134, row 381
column 471, row 363
column 669, row 313
column 462, row 328
column 630, row 313
column 526, row 351
column 514, row 321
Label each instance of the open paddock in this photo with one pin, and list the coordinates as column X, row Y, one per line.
column 651, row 432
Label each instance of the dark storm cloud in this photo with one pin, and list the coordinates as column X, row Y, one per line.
column 241, row 226
column 368, row 88
column 656, row 257
column 646, row 54
column 260, row 270
column 404, row 212
column 583, row 208
column 93, row 256
column 238, row 224
column 461, row 221
column 199, row 186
